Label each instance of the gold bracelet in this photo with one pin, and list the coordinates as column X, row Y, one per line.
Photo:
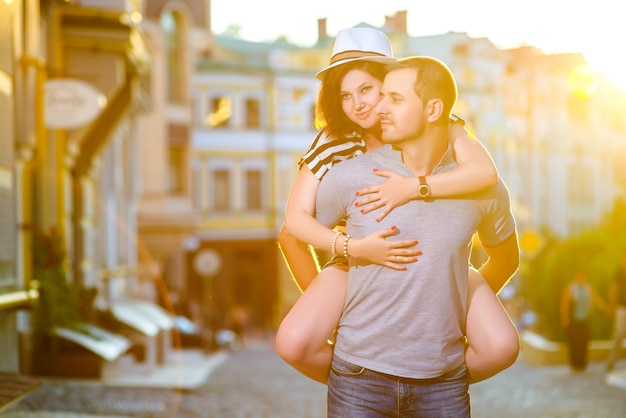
column 333, row 248
column 345, row 246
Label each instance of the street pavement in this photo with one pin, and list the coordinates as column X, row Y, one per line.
column 255, row 383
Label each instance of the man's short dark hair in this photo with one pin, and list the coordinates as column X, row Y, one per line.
column 434, row 80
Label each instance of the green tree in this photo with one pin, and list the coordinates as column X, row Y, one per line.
column 62, row 303
column 58, row 305
column 596, row 251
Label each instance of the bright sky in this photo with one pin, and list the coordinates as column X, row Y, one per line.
column 595, row 28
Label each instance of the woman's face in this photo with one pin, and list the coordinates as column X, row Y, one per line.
column 359, row 95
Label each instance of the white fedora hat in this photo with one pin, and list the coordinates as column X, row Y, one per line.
column 354, row 44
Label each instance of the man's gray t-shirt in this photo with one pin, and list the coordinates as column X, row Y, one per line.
column 409, row 323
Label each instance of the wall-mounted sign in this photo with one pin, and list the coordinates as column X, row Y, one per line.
column 71, row 103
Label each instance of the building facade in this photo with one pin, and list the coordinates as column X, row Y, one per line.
column 73, row 82
column 553, row 137
column 167, row 183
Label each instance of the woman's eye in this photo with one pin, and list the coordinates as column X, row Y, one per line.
column 366, row 89
column 344, row 96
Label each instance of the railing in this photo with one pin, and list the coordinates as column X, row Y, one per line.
column 19, row 299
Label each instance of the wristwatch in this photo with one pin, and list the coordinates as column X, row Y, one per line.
column 423, row 191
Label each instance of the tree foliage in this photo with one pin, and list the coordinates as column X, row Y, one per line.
column 57, row 305
column 595, row 251
column 62, row 302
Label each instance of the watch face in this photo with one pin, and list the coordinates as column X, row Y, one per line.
column 423, row 190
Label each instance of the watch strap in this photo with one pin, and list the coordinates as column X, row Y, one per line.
column 423, row 191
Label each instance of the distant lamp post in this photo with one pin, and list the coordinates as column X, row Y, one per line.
column 207, row 263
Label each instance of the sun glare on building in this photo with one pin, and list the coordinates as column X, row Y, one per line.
column 583, row 81
column 611, row 68
column 221, row 113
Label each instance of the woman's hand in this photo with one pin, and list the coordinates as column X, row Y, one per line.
column 378, row 250
column 396, row 191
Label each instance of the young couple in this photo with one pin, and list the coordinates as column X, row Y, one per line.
column 407, row 315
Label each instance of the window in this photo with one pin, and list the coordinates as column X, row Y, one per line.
column 253, row 190
column 175, row 37
column 198, row 194
column 253, row 117
column 7, row 228
column 176, row 167
column 221, row 110
column 177, row 158
column 221, row 190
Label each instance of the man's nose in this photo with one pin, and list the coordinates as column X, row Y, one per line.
column 380, row 108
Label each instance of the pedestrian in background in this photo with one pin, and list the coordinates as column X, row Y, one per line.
column 617, row 299
column 577, row 301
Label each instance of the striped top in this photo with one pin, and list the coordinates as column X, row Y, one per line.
column 326, row 151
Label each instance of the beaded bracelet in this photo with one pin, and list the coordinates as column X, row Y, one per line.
column 345, row 246
column 333, row 248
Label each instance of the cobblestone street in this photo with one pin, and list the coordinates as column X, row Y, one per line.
column 256, row 383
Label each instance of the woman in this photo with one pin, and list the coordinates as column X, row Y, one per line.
column 348, row 95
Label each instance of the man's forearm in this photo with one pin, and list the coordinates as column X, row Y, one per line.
column 497, row 275
column 502, row 263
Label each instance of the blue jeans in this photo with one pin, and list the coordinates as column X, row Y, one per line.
column 356, row 392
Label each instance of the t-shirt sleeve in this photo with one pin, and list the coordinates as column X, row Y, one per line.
column 498, row 223
column 330, row 206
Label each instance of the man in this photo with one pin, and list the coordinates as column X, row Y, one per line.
column 400, row 348
column 617, row 300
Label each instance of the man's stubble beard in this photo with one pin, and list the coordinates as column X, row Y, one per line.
column 403, row 138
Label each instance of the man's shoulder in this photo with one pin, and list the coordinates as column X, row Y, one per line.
column 501, row 189
column 500, row 186
column 382, row 158
column 355, row 162
column 497, row 191
column 490, row 202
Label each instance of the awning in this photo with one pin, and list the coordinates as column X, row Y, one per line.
column 105, row 344
column 143, row 316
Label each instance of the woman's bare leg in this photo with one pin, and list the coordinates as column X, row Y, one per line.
column 493, row 340
column 302, row 337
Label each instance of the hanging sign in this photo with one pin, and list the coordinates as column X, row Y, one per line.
column 71, row 103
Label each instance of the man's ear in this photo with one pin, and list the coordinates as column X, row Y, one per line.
column 435, row 110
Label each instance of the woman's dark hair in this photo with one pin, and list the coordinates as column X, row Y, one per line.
column 329, row 114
